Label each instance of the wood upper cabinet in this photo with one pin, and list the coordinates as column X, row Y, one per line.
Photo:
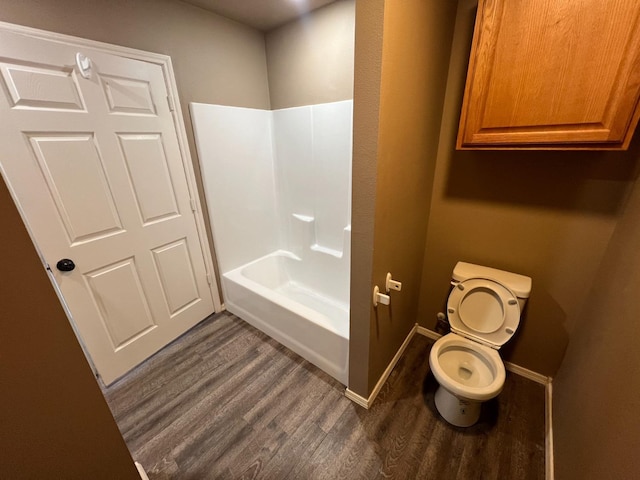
column 552, row 74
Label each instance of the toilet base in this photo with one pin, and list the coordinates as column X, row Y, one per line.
column 457, row 411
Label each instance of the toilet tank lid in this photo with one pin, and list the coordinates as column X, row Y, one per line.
column 518, row 284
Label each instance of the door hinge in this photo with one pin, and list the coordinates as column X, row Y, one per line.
column 170, row 102
column 193, row 205
column 209, row 280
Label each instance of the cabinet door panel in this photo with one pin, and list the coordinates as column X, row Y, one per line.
column 549, row 74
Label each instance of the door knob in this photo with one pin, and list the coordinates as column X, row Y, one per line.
column 65, row 265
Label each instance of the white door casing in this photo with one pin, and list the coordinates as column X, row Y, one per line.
column 100, row 172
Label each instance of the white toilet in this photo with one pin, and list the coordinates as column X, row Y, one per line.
column 484, row 312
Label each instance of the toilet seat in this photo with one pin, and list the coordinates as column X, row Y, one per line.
column 457, row 345
column 483, row 310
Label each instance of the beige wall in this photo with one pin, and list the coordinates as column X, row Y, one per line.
column 393, row 167
column 215, row 60
column 54, row 421
column 310, row 60
column 543, row 214
column 366, row 109
column 597, row 390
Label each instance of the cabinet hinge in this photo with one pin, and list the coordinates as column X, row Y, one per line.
column 170, row 102
column 193, row 205
column 209, row 280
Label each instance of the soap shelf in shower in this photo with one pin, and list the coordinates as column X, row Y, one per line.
column 329, row 251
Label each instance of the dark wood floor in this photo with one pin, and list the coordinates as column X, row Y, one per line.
column 225, row 401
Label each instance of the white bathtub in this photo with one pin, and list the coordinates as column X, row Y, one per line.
column 271, row 294
column 278, row 187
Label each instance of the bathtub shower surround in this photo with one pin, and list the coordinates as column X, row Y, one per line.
column 278, row 188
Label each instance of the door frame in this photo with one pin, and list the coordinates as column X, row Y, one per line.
column 164, row 61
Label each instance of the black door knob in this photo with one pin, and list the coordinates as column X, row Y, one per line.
column 65, row 265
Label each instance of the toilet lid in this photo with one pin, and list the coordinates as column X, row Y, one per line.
column 483, row 310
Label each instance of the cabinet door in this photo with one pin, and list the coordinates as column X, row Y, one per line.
column 549, row 74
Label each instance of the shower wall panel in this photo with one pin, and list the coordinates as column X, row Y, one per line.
column 237, row 166
column 313, row 165
column 277, row 180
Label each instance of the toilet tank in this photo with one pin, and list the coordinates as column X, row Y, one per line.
column 518, row 284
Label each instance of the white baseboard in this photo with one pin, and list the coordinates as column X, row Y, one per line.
column 367, row 402
column 141, row 472
column 354, row 397
column 548, row 435
column 427, row 333
column 526, row 373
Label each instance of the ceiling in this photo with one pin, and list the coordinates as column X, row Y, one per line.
column 264, row 15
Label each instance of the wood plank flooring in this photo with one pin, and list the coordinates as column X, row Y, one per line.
column 227, row 402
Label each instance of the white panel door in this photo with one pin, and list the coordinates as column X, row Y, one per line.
column 96, row 169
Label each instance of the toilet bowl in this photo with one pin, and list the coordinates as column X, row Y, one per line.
column 484, row 313
column 468, row 374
